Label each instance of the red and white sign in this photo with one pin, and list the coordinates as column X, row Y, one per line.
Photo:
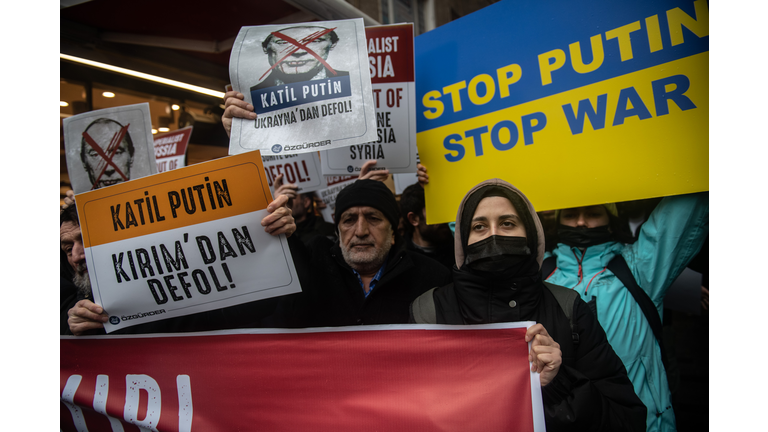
column 171, row 148
column 302, row 169
column 390, row 64
column 385, row 378
column 328, row 195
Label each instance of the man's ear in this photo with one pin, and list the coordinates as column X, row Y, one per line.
column 413, row 219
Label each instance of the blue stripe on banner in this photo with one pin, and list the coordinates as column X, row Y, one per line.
column 518, row 51
column 300, row 93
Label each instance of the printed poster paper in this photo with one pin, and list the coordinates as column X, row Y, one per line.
column 402, row 181
column 387, row 378
column 302, row 169
column 390, row 58
column 309, row 85
column 184, row 241
column 171, row 149
column 109, row 146
column 334, row 185
column 574, row 103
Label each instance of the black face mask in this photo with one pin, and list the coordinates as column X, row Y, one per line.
column 582, row 236
column 497, row 253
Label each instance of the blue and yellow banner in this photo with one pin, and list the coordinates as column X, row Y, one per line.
column 575, row 103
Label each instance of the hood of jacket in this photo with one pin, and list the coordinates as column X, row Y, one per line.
column 534, row 232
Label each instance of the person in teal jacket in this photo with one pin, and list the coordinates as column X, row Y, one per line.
column 667, row 242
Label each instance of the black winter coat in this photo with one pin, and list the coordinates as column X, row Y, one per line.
column 591, row 391
column 332, row 296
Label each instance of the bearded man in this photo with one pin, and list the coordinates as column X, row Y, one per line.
column 367, row 276
column 75, row 272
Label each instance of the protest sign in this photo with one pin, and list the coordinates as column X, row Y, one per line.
column 109, row 146
column 387, row 378
column 303, row 170
column 334, row 185
column 309, row 85
column 171, row 149
column 575, row 103
column 402, row 181
column 183, row 241
column 390, row 57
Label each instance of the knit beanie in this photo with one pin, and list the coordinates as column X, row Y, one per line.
column 371, row 193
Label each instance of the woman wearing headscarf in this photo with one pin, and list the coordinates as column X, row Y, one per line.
column 499, row 247
column 588, row 243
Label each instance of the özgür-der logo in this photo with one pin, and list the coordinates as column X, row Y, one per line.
column 277, row 148
column 350, row 168
column 114, row 320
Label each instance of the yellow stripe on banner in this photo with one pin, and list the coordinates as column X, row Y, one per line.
column 200, row 193
column 654, row 141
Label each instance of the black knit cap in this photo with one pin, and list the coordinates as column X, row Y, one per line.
column 371, row 193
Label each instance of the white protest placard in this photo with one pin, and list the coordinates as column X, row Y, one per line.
column 302, row 169
column 390, row 57
column 183, row 241
column 171, row 149
column 334, row 185
column 109, row 146
column 403, row 180
column 309, row 85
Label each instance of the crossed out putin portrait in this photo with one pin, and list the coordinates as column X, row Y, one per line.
column 106, row 151
column 299, row 54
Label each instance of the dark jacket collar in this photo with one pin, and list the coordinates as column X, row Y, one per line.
column 485, row 299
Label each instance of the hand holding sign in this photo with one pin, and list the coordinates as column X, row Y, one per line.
column 69, row 200
column 287, row 189
column 421, row 173
column 367, row 172
column 545, row 354
column 235, row 106
column 86, row 315
column 280, row 219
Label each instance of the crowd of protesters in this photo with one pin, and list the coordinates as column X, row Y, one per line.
column 602, row 361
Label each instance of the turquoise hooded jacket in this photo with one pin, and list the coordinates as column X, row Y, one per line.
column 667, row 242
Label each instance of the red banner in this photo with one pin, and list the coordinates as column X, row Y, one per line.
column 390, row 53
column 170, row 149
column 384, row 378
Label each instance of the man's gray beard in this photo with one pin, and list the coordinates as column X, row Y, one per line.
column 82, row 281
column 366, row 262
